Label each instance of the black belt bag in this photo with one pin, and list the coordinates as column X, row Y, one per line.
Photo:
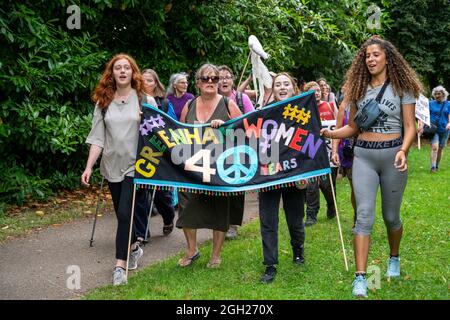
column 366, row 116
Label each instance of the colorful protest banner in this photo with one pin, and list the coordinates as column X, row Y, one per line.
column 279, row 145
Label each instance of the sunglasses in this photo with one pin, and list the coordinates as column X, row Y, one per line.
column 205, row 79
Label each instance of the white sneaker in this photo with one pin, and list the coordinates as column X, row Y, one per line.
column 119, row 276
column 134, row 257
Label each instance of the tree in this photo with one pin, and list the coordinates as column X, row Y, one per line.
column 50, row 70
column 421, row 31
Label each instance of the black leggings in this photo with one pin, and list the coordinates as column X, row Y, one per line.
column 122, row 196
column 163, row 202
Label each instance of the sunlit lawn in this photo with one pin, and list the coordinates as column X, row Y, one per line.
column 424, row 255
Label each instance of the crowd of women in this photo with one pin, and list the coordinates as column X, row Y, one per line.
column 378, row 74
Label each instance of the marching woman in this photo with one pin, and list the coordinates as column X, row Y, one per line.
column 440, row 116
column 283, row 87
column 199, row 210
column 114, row 135
column 380, row 74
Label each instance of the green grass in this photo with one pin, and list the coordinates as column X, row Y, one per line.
column 424, row 252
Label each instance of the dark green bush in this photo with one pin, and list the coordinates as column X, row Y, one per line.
column 48, row 72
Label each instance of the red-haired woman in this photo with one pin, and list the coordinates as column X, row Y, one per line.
column 114, row 134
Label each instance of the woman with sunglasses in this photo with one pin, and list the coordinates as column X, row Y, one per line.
column 283, row 87
column 198, row 211
column 177, row 92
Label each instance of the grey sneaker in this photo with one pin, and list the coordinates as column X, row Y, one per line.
column 232, row 233
column 134, row 257
column 119, row 276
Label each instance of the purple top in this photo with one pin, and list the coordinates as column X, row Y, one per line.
column 248, row 105
column 178, row 103
column 346, row 161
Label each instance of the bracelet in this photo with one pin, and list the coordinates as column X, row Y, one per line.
column 403, row 151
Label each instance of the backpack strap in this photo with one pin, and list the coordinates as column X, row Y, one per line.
column 163, row 104
column 240, row 101
column 227, row 100
column 191, row 103
column 104, row 110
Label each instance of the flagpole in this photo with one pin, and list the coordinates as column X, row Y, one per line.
column 339, row 223
column 245, row 68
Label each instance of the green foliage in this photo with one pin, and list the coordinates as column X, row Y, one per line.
column 47, row 75
column 48, row 71
column 420, row 31
column 17, row 185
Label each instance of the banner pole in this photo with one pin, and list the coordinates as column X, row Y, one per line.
column 418, row 135
column 418, row 141
column 131, row 229
column 150, row 213
column 339, row 223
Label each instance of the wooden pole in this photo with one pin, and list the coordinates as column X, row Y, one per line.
column 245, row 68
column 131, row 230
column 339, row 223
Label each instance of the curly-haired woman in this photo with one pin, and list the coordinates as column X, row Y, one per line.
column 380, row 154
column 114, row 134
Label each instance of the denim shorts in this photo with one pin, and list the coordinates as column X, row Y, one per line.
column 441, row 138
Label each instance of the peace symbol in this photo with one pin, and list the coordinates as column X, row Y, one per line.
column 237, row 173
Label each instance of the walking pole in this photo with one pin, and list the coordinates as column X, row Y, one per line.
column 245, row 67
column 339, row 223
column 131, row 230
column 150, row 213
column 96, row 213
